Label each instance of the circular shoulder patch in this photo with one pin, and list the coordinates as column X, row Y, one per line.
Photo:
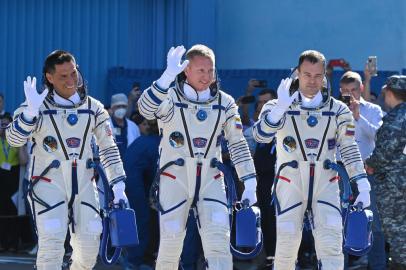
column 50, row 144
column 176, row 139
column 289, row 144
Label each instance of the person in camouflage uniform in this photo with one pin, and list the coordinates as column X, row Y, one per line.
column 388, row 164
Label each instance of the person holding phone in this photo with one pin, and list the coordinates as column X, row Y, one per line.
column 244, row 101
column 308, row 125
column 368, row 119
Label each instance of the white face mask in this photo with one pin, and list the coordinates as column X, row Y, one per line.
column 120, row 113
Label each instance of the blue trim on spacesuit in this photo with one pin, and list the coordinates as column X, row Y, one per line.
column 163, row 212
column 218, row 107
column 91, row 206
column 214, row 200
column 20, row 130
column 278, row 207
column 27, row 122
column 50, row 208
column 272, row 125
column 81, row 111
column 328, row 113
column 153, row 97
column 293, row 112
column 74, row 192
column 359, row 176
column 263, row 133
column 248, row 176
column 159, row 89
column 181, row 105
column 330, row 204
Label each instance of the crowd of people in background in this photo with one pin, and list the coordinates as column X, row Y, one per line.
column 380, row 135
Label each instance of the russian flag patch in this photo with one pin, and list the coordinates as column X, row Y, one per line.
column 350, row 131
column 238, row 123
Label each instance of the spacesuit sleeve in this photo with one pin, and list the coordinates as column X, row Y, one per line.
column 20, row 130
column 108, row 150
column 348, row 147
column 263, row 130
column 237, row 145
column 154, row 103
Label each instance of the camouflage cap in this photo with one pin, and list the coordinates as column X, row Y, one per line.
column 396, row 82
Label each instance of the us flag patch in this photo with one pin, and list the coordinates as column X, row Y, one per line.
column 350, row 131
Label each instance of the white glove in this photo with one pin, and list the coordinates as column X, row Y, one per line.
column 363, row 197
column 250, row 191
column 173, row 66
column 284, row 101
column 34, row 99
column 119, row 194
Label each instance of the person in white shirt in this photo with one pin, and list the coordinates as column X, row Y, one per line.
column 368, row 119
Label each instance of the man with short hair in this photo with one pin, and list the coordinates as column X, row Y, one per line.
column 388, row 163
column 264, row 96
column 133, row 97
column 368, row 119
column 308, row 125
column 61, row 122
column 192, row 116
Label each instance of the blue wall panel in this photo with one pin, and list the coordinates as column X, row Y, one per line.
column 136, row 34
column 100, row 33
column 95, row 31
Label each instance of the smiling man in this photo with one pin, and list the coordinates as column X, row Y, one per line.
column 308, row 125
column 192, row 117
column 61, row 122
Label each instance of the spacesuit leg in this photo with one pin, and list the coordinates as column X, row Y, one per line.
column 51, row 223
column 328, row 221
column 290, row 209
column 214, row 221
column 172, row 222
column 85, row 240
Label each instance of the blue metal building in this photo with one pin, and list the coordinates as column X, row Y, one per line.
column 245, row 35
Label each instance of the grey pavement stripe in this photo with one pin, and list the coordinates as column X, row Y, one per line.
column 17, row 260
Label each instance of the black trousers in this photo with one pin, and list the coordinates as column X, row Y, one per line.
column 268, row 218
column 8, row 211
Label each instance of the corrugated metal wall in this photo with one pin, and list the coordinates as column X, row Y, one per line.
column 95, row 31
column 101, row 34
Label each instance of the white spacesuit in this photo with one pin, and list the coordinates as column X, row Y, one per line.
column 191, row 125
column 63, row 192
column 307, row 133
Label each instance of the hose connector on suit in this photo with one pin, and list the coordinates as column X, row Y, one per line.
column 154, row 190
column 246, row 218
column 214, row 163
column 345, row 198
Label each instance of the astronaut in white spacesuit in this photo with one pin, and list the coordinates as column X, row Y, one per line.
column 61, row 122
column 192, row 116
column 308, row 126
